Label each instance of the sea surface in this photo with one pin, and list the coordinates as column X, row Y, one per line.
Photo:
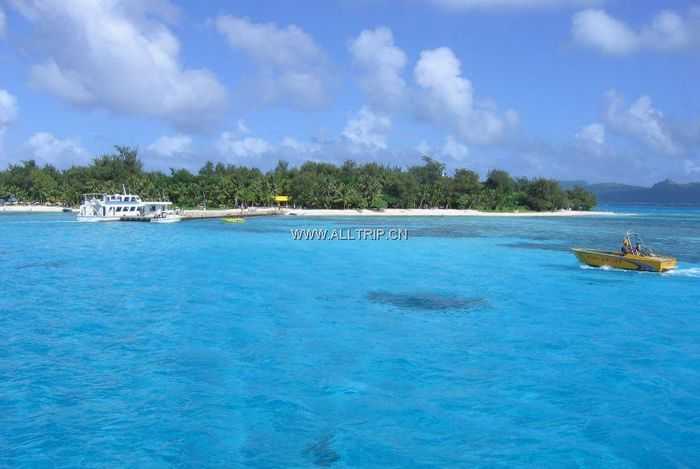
column 476, row 342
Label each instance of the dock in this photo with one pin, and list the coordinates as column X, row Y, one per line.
column 235, row 212
column 217, row 213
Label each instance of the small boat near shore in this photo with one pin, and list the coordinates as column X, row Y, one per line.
column 233, row 220
column 632, row 256
column 167, row 216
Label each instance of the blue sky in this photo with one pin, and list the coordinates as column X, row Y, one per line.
column 601, row 90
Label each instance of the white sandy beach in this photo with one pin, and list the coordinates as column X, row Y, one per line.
column 30, row 209
column 390, row 212
column 436, row 212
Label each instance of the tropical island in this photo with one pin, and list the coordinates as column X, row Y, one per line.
column 312, row 185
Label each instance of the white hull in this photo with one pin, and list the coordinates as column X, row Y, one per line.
column 93, row 219
column 127, row 207
column 168, row 219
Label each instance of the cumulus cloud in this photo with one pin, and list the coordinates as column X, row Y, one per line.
column 597, row 29
column 170, row 146
column 592, row 138
column 640, row 121
column 510, row 4
column 291, row 66
column 447, row 98
column 45, row 148
column 439, row 94
column 8, row 114
column 8, row 109
column 382, row 64
column 439, row 72
column 668, row 30
column 299, row 147
column 233, row 146
column 593, row 133
column 120, row 56
column 368, row 130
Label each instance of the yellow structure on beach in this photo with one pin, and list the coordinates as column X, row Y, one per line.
column 280, row 199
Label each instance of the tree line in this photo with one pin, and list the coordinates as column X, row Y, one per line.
column 310, row 185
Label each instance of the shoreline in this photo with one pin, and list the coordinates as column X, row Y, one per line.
column 324, row 213
column 439, row 212
column 30, row 209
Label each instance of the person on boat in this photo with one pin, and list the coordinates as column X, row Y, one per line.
column 626, row 247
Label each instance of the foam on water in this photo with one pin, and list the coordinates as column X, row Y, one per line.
column 689, row 272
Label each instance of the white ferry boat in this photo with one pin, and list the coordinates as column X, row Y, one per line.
column 115, row 207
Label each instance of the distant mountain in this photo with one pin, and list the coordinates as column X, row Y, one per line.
column 571, row 184
column 664, row 192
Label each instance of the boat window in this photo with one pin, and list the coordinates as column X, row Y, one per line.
column 133, row 208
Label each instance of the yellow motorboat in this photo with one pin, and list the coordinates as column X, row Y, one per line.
column 632, row 256
column 233, row 220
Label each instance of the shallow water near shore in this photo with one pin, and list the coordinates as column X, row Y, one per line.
column 475, row 342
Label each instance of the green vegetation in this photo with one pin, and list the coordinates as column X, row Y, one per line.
column 311, row 185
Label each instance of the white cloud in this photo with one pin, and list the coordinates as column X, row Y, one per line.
column 8, row 109
column 170, row 146
column 119, row 56
column 668, row 30
column 368, row 130
column 45, row 148
column 455, row 150
column 448, row 99
column 8, row 114
column 304, row 148
column 230, row 144
column 382, row 64
column 640, row 121
column 593, row 133
column 291, row 65
column 441, row 95
column 591, row 139
column 597, row 29
column 439, row 72
column 510, row 4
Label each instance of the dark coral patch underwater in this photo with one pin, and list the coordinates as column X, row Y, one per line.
column 426, row 301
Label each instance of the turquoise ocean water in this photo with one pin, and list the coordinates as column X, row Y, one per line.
column 477, row 342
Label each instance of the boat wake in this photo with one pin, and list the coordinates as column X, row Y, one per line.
column 690, row 272
column 693, row 272
column 602, row 267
